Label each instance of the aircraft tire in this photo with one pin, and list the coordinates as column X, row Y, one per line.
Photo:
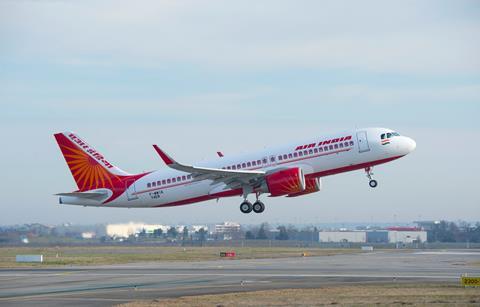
column 258, row 207
column 246, row 207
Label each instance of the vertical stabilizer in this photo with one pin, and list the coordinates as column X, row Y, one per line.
column 90, row 169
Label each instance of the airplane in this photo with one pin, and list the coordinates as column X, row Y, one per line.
column 291, row 170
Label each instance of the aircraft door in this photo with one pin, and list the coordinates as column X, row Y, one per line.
column 272, row 160
column 131, row 191
column 362, row 141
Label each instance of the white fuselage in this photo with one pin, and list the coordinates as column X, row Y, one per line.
column 363, row 149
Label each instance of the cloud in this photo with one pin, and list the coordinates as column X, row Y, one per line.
column 427, row 37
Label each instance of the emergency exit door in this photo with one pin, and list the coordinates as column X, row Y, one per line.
column 362, row 141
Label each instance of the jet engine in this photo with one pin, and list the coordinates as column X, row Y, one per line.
column 312, row 185
column 284, row 182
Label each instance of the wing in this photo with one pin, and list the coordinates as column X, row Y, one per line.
column 232, row 178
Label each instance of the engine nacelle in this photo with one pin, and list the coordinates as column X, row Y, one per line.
column 284, row 182
column 312, row 185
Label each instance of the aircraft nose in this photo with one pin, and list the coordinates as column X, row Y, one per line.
column 410, row 144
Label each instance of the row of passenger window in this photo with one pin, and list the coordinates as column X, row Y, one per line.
column 315, row 150
column 259, row 162
column 247, row 164
column 293, row 155
column 168, row 181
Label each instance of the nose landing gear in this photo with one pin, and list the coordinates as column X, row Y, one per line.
column 372, row 183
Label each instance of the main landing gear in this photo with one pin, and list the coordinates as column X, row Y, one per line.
column 247, row 207
column 372, row 183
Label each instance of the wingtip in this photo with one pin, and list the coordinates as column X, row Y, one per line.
column 163, row 155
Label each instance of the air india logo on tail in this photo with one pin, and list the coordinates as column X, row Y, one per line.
column 89, row 150
column 88, row 173
column 90, row 169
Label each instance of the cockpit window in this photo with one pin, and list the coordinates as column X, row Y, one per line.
column 388, row 135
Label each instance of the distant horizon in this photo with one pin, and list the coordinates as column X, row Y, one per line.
column 349, row 223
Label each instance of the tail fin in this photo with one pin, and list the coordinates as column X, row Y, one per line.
column 89, row 168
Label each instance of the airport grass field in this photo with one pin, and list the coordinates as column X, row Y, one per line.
column 98, row 255
column 397, row 294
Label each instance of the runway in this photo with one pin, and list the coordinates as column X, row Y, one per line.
column 115, row 284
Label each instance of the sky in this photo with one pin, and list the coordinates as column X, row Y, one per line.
column 196, row 77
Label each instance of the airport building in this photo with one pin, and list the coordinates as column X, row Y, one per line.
column 227, row 231
column 196, row 228
column 342, row 236
column 130, row 229
column 389, row 235
column 406, row 235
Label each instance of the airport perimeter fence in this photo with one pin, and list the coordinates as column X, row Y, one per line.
column 260, row 243
column 316, row 244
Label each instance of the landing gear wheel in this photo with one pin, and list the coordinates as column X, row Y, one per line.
column 246, row 207
column 258, row 207
column 372, row 183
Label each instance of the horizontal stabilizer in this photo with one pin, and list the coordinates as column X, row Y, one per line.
column 100, row 195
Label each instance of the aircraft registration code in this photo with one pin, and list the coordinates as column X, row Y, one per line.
column 470, row 281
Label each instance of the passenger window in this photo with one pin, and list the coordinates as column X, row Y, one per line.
column 234, row 167
column 174, row 180
column 254, row 163
column 295, row 154
column 284, row 157
column 310, row 151
column 239, row 166
column 330, row 147
column 169, row 180
column 315, row 150
column 325, row 148
column 189, row 176
column 300, row 154
column 305, row 152
column 320, row 149
column 244, row 165
column 290, row 155
column 341, row 145
column 229, row 167
column 272, row 159
column 382, row 136
column 265, row 160
column 259, row 162
column 351, row 143
column 149, row 185
column 154, row 184
column 184, row 178
column 389, row 135
column 336, row 146
column 280, row 158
